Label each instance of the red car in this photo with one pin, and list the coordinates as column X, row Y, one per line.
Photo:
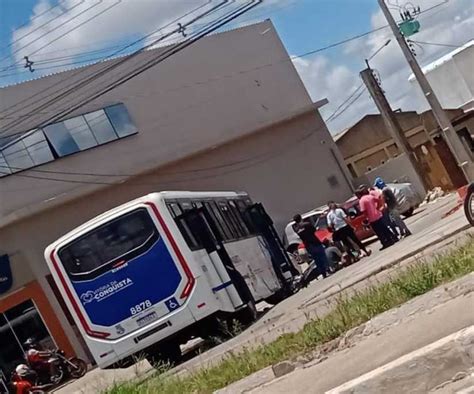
column 357, row 219
column 318, row 218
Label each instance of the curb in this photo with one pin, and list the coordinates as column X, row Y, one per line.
column 425, row 369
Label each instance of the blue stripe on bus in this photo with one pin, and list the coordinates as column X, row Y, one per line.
column 221, row 286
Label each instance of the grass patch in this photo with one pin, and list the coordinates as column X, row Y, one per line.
column 348, row 313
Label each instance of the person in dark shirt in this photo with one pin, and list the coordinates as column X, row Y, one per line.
column 392, row 207
column 312, row 243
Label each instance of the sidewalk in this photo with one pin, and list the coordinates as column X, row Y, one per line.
column 384, row 339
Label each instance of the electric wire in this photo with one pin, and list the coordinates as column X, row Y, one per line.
column 266, row 156
column 53, row 29
column 161, row 56
column 75, row 84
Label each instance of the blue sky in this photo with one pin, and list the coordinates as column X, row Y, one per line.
column 303, row 25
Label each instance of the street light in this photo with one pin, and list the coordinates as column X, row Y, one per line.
column 377, row 51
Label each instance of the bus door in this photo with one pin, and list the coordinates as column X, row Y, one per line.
column 282, row 264
column 220, row 271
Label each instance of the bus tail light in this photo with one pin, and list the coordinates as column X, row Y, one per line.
column 82, row 319
column 187, row 271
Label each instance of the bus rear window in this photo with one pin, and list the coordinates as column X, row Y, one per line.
column 109, row 242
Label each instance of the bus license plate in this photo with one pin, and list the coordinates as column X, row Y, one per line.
column 147, row 319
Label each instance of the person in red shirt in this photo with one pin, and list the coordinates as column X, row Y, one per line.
column 370, row 205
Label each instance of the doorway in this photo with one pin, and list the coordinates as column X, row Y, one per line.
column 17, row 324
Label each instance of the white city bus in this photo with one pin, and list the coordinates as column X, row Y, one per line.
column 149, row 275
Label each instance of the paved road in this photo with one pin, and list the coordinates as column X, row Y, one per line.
column 429, row 229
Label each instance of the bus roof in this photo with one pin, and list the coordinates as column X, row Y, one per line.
column 166, row 195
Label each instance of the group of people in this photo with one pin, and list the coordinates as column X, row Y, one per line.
column 380, row 207
column 379, row 204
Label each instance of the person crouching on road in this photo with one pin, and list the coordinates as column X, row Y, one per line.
column 343, row 231
column 392, row 207
column 370, row 206
column 312, row 243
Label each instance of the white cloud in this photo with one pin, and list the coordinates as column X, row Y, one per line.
column 336, row 82
column 451, row 24
column 128, row 18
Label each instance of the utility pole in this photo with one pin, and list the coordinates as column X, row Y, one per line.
column 452, row 139
column 391, row 121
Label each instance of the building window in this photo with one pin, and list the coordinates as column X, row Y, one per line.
column 101, row 126
column 17, row 157
column 80, row 132
column 38, row 148
column 62, row 141
column 64, row 138
column 4, row 168
column 120, row 120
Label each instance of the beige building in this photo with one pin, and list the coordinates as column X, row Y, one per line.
column 368, row 144
column 228, row 113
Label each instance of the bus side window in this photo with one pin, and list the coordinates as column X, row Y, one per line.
column 197, row 204
column 239, row 218
column 174, row 209
column 213, row 211
column 242, row 207
column 186, row 205
column 188, row 236
column 176, row 212
column 230, row 221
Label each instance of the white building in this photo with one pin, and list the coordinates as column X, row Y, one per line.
column 452, row 78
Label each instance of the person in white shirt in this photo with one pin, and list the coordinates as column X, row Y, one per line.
column 342, row 230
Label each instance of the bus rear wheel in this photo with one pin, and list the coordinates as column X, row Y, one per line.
column 164, row 355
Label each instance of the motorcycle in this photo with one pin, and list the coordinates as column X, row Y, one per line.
column 469, row 204
column 59, row 367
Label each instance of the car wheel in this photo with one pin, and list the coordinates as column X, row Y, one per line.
column 409, row 213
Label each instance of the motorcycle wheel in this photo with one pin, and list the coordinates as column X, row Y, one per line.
column 58, row 377
column 79, row 369
column 469, row 204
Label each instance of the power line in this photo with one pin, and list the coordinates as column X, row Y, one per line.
column 150, row 63
column 275, row 10
column 76, row 27
column 163, row 56
column 107, row 66
column 34, row 112
column 40, row 26
column 194, row 170
column 437, row 44
column 54, row 29
column 330, row 118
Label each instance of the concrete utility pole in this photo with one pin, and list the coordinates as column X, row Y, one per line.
column 452, row 139
column 391, row 121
